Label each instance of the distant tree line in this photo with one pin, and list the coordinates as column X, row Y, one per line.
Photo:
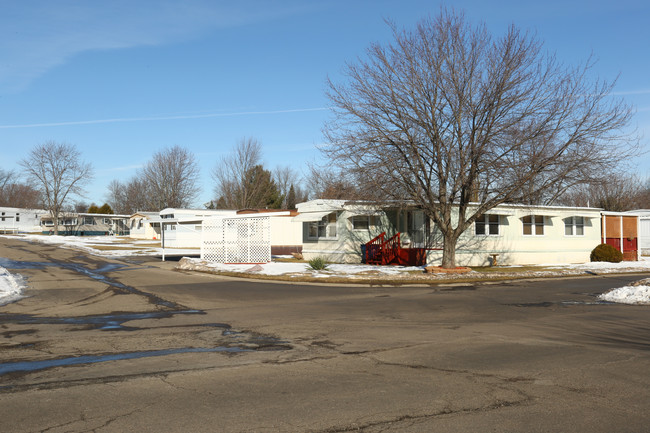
column 171, row 179
column 15, row 192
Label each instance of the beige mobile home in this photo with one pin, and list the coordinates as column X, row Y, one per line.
column 341, row 231
column 140, row 226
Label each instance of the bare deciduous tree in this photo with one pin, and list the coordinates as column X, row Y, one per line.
column 459, row 122
column 20, row 195
column 241, row 180
column 57, row 170
column 6, row 177
column 14, row 193
column 129, row 197
column 326, row 182
column 288, row 182
column 617, row 192
column 171, row 178
column 285, row 177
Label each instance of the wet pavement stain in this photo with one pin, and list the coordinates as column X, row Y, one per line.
column 111, row 322
column 239, row 341
column 26, row 366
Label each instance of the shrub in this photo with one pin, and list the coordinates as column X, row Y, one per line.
column 318, row 264
column 606, row 253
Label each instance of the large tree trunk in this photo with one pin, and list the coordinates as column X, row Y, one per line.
column 56, row 223
column 449, row 250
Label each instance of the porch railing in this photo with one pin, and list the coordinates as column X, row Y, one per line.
column 380, row 251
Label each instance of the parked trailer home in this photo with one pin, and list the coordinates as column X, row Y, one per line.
column 286, row 234
column 86, row 224
column 181, row 228
column 248, row 236
column 18, row 220
column 348, row 231
column 140, row 226
column 644, row 230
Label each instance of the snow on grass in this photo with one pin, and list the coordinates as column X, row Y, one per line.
column 11, row 287
column 603, row 267
column 296, row 268
column 108, row 246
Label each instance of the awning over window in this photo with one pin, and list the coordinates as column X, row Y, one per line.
column 544, row 213
column 311, row 216
column 501, row 212
column 368, row 212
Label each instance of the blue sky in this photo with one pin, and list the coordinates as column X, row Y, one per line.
column 122, row 80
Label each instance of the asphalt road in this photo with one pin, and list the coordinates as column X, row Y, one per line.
column 115, row 346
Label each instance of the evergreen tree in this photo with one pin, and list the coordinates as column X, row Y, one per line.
column 105, row 209
column 291, row 198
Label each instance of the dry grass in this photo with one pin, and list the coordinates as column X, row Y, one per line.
column 509, row 269
column 116, row 248
column 289, row 260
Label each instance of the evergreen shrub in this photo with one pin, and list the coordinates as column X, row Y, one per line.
column 606, row 253
column 318, row 264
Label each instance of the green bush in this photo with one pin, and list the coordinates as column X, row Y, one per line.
column 606, row 253
column 318, row 264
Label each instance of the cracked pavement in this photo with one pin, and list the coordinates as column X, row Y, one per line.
column 505, row 357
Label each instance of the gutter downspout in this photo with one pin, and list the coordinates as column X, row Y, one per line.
column 622, row 245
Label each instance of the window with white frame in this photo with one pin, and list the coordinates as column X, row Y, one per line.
column 533, row 225
column 363, row 222
column 487, row 225
column 574, row 226
column 323, row 229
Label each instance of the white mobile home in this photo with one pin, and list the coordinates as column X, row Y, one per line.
column 18, row 220
column 181, row 228
column 342, row 231
column 286, row 233
column 644, row 231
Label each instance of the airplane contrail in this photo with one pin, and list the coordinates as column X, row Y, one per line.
column 151, row 118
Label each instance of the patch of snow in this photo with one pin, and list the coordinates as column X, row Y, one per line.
column 272, row 268
column 628, row 295
column 119, row 246
column 284, row 268
column 357, row 269
column 603, row 267
column 11, row 287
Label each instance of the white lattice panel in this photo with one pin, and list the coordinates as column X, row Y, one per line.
column 237, row 240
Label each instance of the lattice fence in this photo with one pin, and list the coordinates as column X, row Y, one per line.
column 236, row 240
